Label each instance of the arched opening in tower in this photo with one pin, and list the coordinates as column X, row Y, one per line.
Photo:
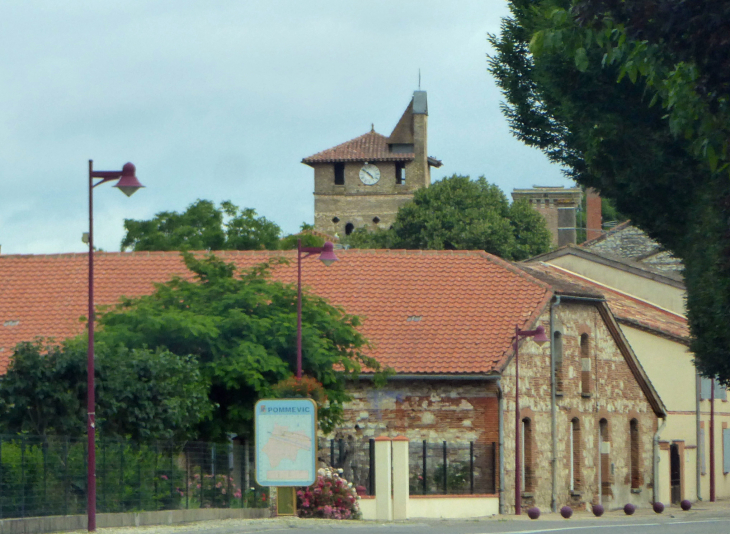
column 349, row 227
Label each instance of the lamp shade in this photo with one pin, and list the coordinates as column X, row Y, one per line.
column 128, row 183
column 328, row 254
column 540, row 338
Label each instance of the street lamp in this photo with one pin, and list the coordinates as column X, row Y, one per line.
column 127, row 184
column 540, row 338
column 326, row 256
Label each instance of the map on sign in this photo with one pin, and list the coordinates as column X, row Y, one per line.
column 286, row 442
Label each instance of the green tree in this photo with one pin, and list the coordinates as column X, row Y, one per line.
column 141, row 394
column 462, row 214
column 240, row 326
column 309, row 239
column 203, row 227
column 597, row 116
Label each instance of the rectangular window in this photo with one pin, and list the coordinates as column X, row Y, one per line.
column 706, row 389
column 703, row 466
column 400, row 173
column 339, row 174
column 726, row 450
column 572, row 458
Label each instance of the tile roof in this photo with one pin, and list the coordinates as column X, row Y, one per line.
column 427, row 312
column 628, row 310
column 369, row 147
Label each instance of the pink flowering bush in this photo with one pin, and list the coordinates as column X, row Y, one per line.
column 331, row 497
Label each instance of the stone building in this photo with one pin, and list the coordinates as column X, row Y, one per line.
column 361, row 183
column 644, row 287
column 445, row 322
column 558, row 206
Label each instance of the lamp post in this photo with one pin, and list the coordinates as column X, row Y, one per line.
column 540, row 338
column 326, row 256
column 127, row 184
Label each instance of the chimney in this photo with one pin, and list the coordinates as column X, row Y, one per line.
column 594, row 226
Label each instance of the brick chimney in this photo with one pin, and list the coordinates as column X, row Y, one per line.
column 594, row 226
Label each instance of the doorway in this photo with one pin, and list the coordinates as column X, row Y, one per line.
column 675, row 474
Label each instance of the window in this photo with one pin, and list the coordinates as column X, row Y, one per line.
column 576, row 447
column 706, row 389
column 558, row 337
column 635, row 454
column 528, row 472
column 376, row 220
column 585, row 365
column 335, row 220
column 400, row 173
column 726, row 450
column 605, row 445
column 339, row 174
column 349, row 227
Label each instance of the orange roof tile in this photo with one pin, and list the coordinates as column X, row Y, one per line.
column 425, row 312
column 369, row 147
column 627, row 309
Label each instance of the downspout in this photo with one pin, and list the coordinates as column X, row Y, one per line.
column 656, row 458
column 553, row 409
column 501, row 446
column 698, row 430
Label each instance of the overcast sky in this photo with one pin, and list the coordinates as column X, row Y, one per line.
column 222, row 99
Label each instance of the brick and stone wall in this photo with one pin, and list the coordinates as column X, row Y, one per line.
column 613, row 395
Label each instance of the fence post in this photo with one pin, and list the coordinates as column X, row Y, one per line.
column 139, row 475
column 1, row 477
column 65, row 475
column 400, row 477
column 202, row 485
column 212, row 478
column 187, row 480
column 332, row 453
column 103, row 474
column 22, row 475
column 121, row 473
column 244, row 475
column 172, row 474
column 155, row 474
column 341, row 456
column 446, row 489
column 230, row 469
column 371, row 478
column 425, row 455
column 383, row 508
column 471, row 466
column 45, row 475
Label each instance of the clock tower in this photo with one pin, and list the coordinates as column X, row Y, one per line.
column 361, row 183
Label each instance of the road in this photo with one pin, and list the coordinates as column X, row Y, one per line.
column 714, row 521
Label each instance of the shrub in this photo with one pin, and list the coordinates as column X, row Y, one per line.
column 331, row 497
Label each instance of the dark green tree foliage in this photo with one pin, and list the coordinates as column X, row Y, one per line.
column 458, row 213
column 307, row 236
column 241, row 329
column 566, row 101
column 141, row 394
column 203, row 227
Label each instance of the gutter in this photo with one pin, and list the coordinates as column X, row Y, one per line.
column 501, row 446
column 656, row 458
column 553, row 410
column 425, row 376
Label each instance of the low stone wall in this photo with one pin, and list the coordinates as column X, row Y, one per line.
column 64, row 523
column 440, row 506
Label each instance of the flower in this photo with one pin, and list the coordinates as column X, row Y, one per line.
column 163, row 477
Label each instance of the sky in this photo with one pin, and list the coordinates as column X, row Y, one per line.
column 222, row 99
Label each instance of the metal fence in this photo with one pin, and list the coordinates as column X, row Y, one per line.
column 435, row 468
column 47, row 476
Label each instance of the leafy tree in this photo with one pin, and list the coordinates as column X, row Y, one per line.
column 141, row 394
column 594, row 112
column 240, row 326
column 203, row 227
column 307, row 235
column 463, row 214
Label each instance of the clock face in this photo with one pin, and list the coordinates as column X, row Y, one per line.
column 369, row 174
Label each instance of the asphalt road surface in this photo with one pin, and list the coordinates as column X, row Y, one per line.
column 714, row 521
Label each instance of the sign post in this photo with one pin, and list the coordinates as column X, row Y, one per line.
column 286, row 446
